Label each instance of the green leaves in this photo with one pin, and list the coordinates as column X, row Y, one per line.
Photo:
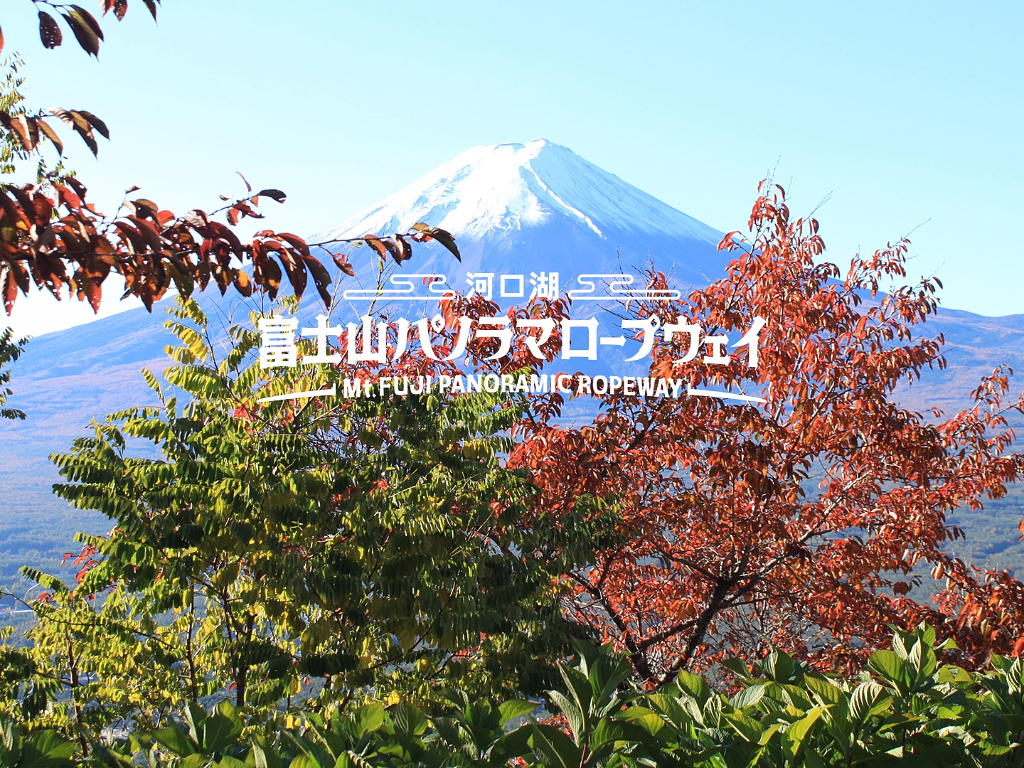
column 10, row 351
column 612, row 724
column 890, row 667
column 40, row 749
column 554, row 749
column 912, row 663
column 201, row 740
column 359, row 545
column 868, row 699
column 510, row 710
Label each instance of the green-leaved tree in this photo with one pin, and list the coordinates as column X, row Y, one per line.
column 333, row 548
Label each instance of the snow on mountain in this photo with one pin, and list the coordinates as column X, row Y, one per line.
column 539, row 206
column 496, row 191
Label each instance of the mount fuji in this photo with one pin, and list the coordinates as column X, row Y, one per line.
column 513, row 209
column 537, row 207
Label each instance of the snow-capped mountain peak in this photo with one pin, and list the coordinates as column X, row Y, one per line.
column 491, row 191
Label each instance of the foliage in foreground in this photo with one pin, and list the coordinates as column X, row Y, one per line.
column 904, row 708
column 803, row 522
column 327, row 551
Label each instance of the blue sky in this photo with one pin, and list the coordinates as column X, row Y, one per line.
column 906, row 114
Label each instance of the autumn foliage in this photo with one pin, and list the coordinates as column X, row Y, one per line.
column 50, row 236
column 802, row 523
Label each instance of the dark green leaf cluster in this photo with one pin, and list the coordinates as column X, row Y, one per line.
column 905, row 709
column 10, row 351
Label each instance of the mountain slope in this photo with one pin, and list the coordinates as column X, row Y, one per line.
column 536, row 207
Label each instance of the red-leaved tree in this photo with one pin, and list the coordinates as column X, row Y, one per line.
column 798, row 522
column 50, row 236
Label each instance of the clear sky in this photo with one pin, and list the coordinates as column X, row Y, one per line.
column 905, row 113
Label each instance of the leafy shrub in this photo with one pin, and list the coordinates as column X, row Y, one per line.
column 904, row 708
